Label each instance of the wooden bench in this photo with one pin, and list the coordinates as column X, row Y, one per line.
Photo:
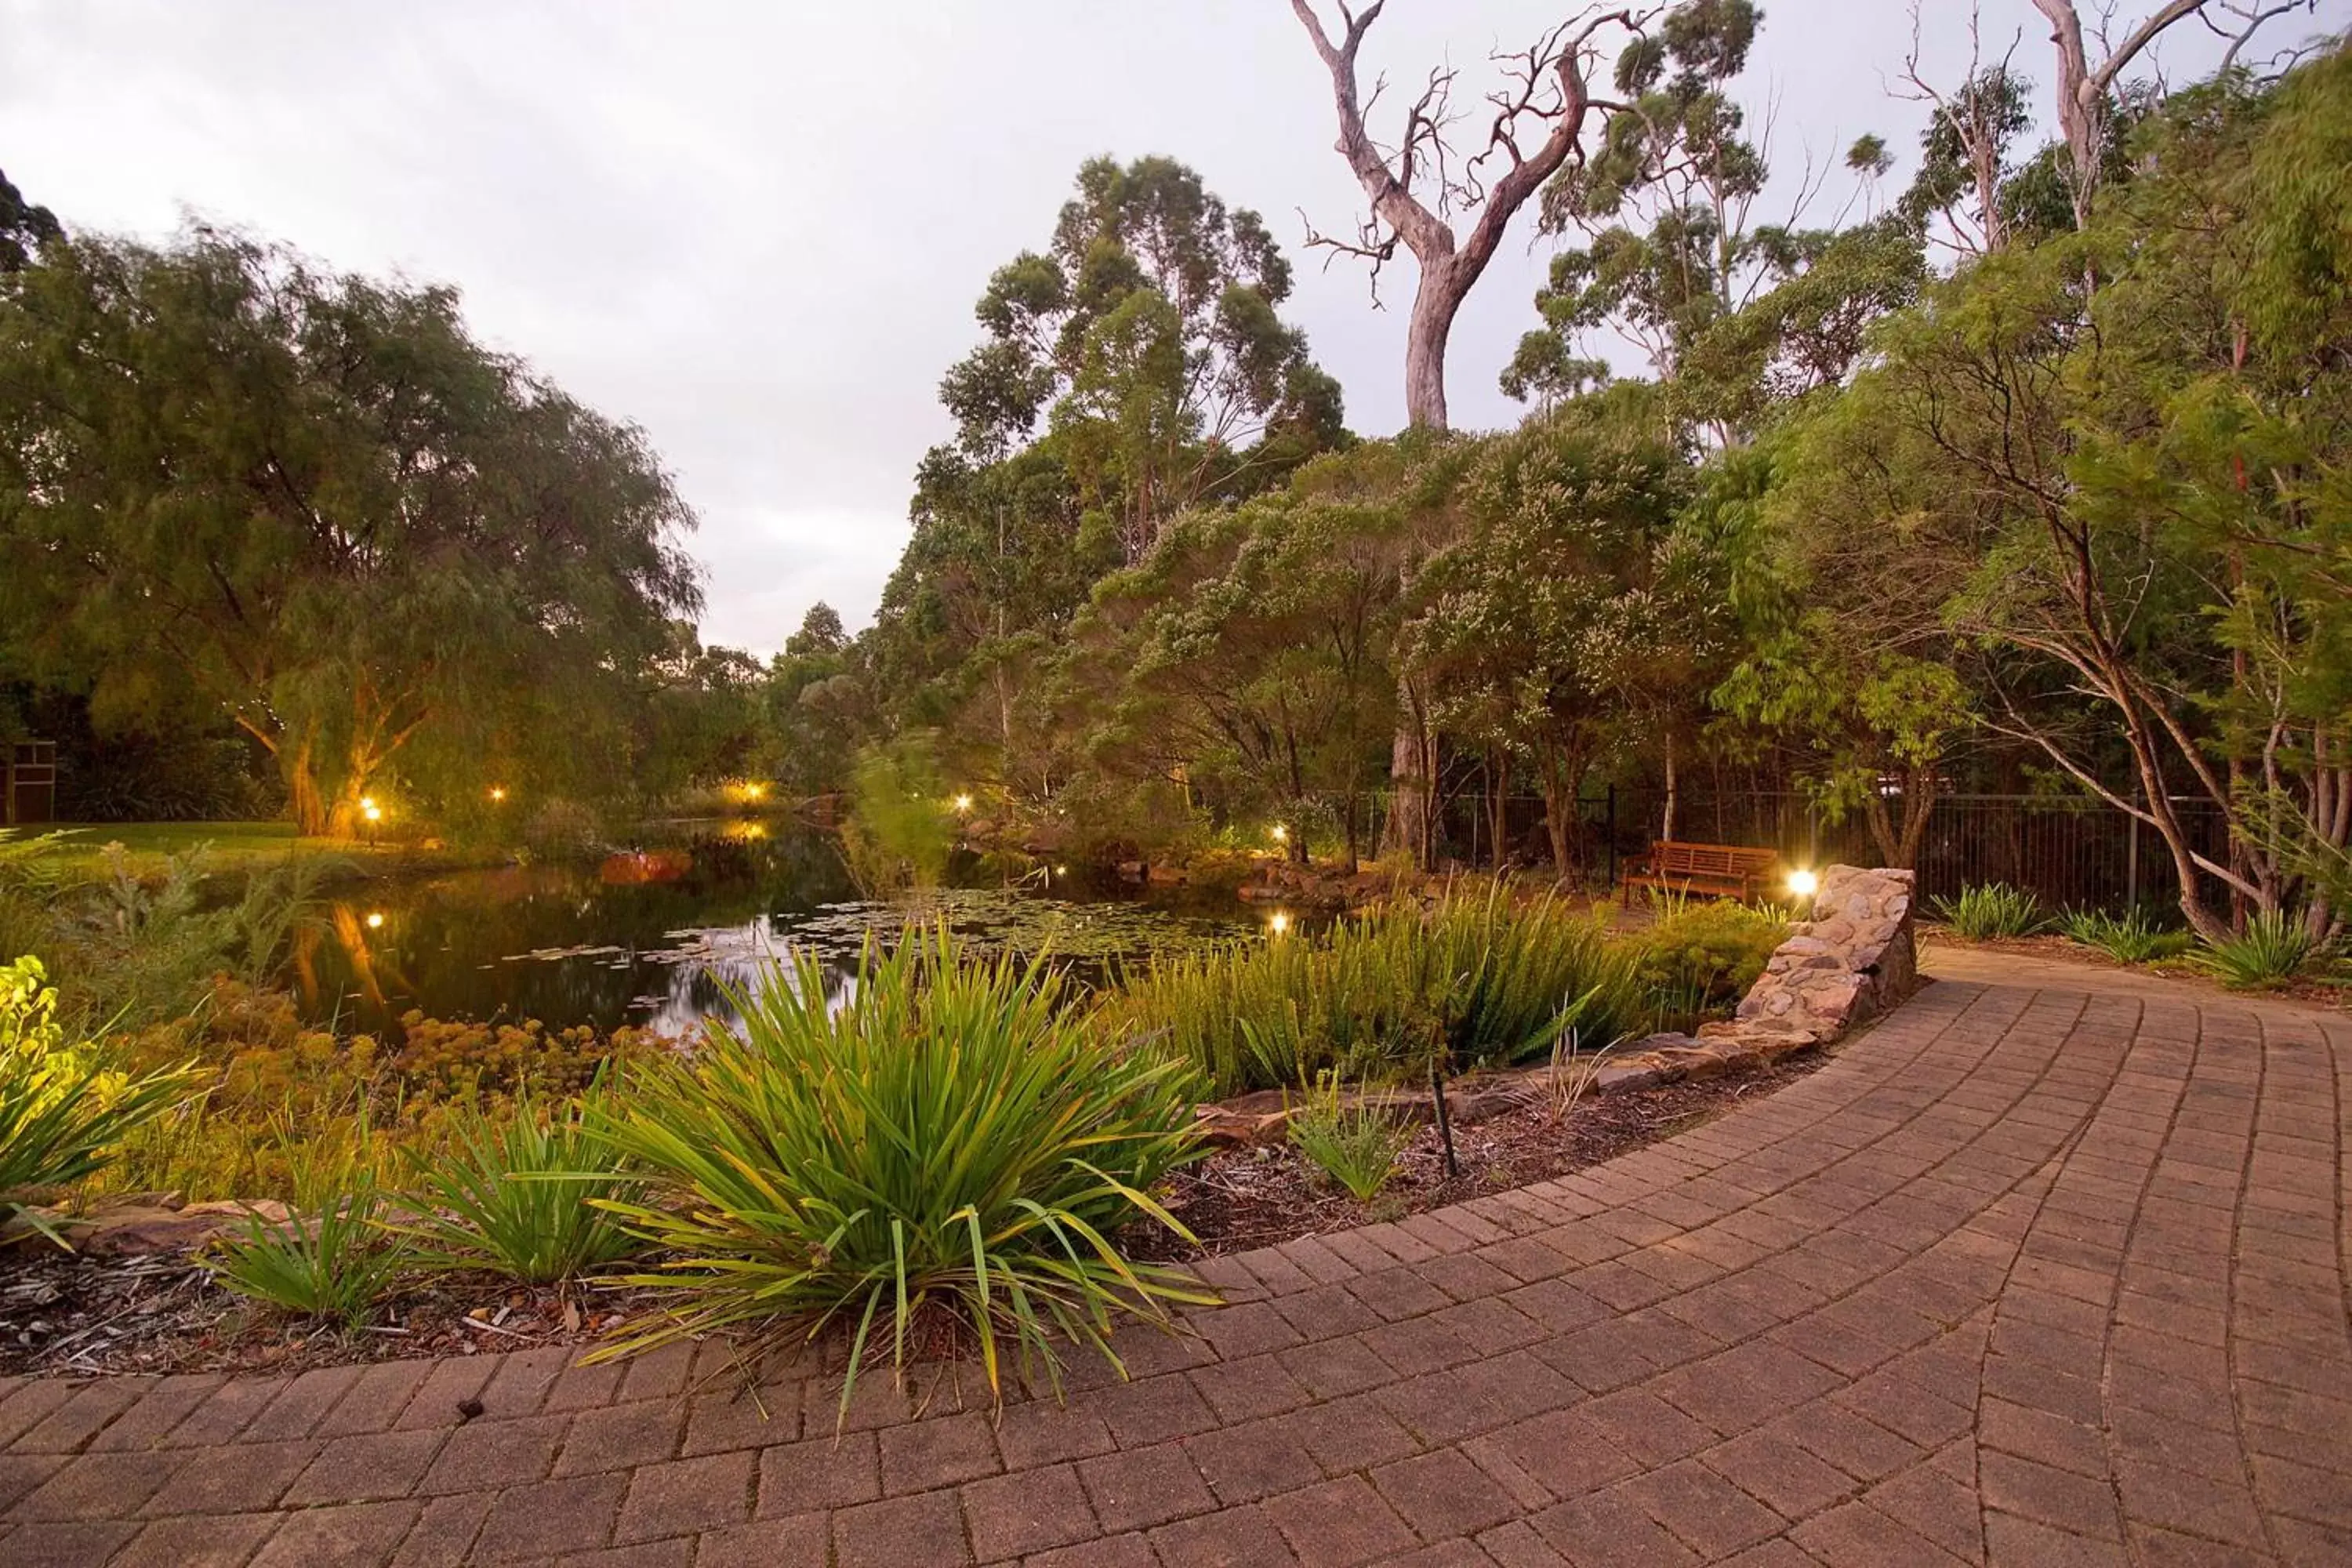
column 1717, row 871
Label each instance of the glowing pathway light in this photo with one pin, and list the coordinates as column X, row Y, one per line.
column 1277, row 923
column 1281, row 834
column 375, row 920
column 962, row 803
column 497, row 792
column 1804, row 884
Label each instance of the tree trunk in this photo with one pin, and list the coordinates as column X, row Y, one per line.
column 1434, row 304
column 1413, row 782
column 1563, row 780
column 1666, row 818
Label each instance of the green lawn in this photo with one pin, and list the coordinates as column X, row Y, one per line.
column 231, row 847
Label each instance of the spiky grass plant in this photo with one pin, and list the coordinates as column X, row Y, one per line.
column 520, row 1194
column 1355, row 1145
column 332, row 1257
column 2276, row 946
column 2132, row 937
column 1575, row 1075
column 950, row 1140
column 1984, row 910
column 1500, row 980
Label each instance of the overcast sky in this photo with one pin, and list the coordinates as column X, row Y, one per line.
column 758, row 229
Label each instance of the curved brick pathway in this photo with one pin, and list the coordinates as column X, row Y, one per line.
column 2029, row 1275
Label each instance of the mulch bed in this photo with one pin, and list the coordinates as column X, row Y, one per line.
column 64, row 1314
column 1242, row 1198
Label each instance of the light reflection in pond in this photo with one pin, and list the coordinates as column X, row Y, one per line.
column 658, row 937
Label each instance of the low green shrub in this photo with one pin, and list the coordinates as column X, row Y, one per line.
column 1984, row 910
column 2134, row 936
column 2276, row 946
column 1355, row 1146
column 332, row 1257
column 521, row 1194
column 273, row 1086
column 951, row 1144
column 1486, row 981
column 1699, row 957
column 65, row 1106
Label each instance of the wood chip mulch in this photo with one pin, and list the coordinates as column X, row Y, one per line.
column 1242, row 1198
column 63, row 1314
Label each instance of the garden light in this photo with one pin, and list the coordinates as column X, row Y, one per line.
column 375, row 920
column 497, row 792
column 1804, row 884
column 1281, row 834
column 962, row 803
column 1277, row 923
column 371, row 811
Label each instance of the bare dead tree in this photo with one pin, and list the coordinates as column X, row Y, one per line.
column 1418, row 187
column 2085, row 91
column 2247, row 17
column 1974, row 118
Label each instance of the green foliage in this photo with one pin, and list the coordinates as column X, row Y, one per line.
column 2133, row 937
column 1987, row 910
column 64, row 1105
column 1555, row 623
column 1355, row 1145
column 132, row 947
column 1701, row 955
column 330, row 1258
column 2273, row 947
column 313, row 503
column 1482, row 978
column 901, row 823
column 278, row 1095
column 951, row 1144
column 523, row 1193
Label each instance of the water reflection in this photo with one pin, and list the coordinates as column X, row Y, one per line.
column 661, row 936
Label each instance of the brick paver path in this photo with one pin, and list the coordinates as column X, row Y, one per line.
column 2027, row 1275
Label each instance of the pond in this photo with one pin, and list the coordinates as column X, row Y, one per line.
column 657, row 937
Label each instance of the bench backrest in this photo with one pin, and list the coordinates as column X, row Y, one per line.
column 1669, row 856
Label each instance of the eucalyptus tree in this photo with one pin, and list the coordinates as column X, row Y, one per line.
column 1253, row 651
column 311, row 504
column 1554, row 626
column 2113, row 460
column 1146, row 338
column 25, row 227
column 1422, row 188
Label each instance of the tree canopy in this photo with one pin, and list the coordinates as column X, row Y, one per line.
column 313, row 503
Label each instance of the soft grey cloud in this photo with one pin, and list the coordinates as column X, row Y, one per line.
column 758, row 229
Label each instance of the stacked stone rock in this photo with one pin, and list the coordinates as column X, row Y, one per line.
column 1853, row 961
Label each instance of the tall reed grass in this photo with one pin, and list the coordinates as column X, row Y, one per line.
column 1488, row 980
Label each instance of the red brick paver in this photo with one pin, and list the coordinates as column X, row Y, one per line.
column 2044, row 1269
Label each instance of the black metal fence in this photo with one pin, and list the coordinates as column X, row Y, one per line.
column 2068, row 852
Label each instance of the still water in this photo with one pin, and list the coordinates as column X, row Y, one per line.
column 657, row 937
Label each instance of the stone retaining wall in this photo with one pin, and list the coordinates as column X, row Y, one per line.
column 1853, row 961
